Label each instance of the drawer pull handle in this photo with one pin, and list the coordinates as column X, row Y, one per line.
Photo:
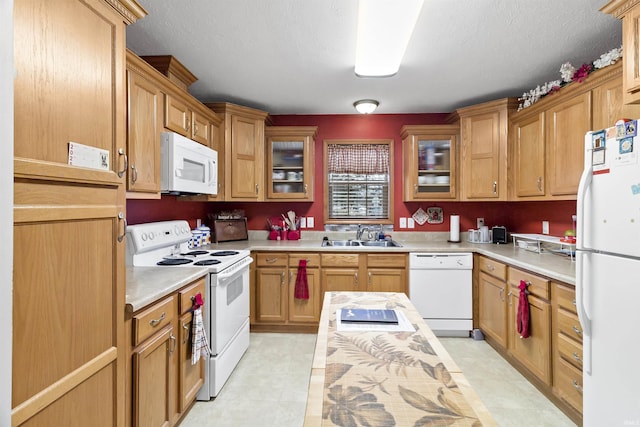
column 576, row 357
column 271, row 260
column 502, row 294
column 490, row 267
column 573, row 302
column 577, row 386
column 282, row 279
column 576, row 330
column 356, row 275
column 156, row 322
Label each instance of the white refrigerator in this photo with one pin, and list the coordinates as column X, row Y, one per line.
column 608, row 276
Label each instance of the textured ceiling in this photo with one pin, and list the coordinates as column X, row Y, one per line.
column 296, row 57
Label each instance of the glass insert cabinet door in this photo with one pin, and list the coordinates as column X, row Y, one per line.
column 430, row 162
column 290, row 162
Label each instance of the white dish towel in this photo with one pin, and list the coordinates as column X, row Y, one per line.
column 200, row 346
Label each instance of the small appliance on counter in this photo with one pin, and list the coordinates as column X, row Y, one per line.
column 499, row 234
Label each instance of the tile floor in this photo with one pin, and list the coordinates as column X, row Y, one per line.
column 269, row 386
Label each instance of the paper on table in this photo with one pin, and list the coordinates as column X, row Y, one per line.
column 403, row 324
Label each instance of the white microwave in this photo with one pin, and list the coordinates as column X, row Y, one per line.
column 187, row 166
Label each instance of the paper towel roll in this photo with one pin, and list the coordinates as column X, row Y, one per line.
column 454, row 228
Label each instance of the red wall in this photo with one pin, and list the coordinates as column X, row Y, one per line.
column 523, row 217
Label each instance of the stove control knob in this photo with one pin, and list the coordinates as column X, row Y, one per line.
column 143, row 236
column 151, row 235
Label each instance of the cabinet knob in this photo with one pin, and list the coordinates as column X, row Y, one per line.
column 356, row 276
column 576, row 357
column 576, row 330
column 576, row 385
column 282, row 279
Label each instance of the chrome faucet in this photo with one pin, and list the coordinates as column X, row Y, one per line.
column 360, row 231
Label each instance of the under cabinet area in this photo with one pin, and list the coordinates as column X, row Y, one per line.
column 162, row 383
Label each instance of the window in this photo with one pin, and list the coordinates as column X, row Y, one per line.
column 358, row 181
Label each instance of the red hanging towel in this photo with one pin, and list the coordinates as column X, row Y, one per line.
column 302, row 286
column 523, row 311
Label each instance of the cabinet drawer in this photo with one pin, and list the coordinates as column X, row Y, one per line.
column 493, row 268
column 272, row 259
column 538, row 286
column 152, row 319
column 570, row 350
column 186, row 294
column 340, row 260
column 313, row 260
column 387, row 260
column 566, row 297
column 568, row 384
column 569, row 324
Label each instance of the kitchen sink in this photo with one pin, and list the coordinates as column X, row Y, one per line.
column 370, row 243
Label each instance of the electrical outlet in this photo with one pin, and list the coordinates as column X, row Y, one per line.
column 411, row 223
column 479, row 222
column 310, row 222
column 403, row 222
column 303, row 222
column 545, row 227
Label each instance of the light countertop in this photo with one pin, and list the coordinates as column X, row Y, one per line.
column 386, row 378
column 147, row 284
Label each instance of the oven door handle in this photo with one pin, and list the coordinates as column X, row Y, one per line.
column 234, row 271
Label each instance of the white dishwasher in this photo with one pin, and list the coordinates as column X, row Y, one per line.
column 440, row 289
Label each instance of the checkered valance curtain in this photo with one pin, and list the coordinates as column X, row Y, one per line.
column 358, row 158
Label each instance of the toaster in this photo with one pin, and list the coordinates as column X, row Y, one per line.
column 499, row 234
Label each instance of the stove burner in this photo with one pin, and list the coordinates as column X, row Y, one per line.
column 195, row 253
column 207, row 262
column 225, row 253
column 174, row 261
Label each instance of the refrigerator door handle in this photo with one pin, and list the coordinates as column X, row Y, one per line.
column 581, row 308
column 583, row 187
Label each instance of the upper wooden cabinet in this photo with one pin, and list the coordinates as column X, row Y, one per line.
column 243, row 151
column 546, row 155
column 158, row 102
column 144, row 126
column 430, row 158
column 64, row 95
column 483, row 132
column 290, row 161
column 68, row 221
column 629, row 12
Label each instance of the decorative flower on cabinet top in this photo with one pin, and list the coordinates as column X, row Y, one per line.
column 569, row 74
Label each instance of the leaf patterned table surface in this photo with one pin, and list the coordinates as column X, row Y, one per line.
column 385, row 379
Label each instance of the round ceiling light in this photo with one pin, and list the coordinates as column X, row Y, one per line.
column 366, row 106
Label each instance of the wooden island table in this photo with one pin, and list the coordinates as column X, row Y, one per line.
column 386, row 378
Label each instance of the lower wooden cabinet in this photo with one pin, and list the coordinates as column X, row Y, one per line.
column 275, row 280
column 533, row 352
column 274, row 306
column 551, row 357
column 162, row 382
column 567, row 347
column 492, row 300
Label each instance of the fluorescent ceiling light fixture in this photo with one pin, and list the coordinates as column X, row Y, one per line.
column 366, row 106
column 384, row 31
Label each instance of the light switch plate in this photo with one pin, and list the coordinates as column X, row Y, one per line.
column 479, row 222
column 411, row 223
column 545, row 227
column 310, row 222
column 403, row 222
column 303, row 222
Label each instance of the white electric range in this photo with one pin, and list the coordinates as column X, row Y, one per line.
column 226, row 309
